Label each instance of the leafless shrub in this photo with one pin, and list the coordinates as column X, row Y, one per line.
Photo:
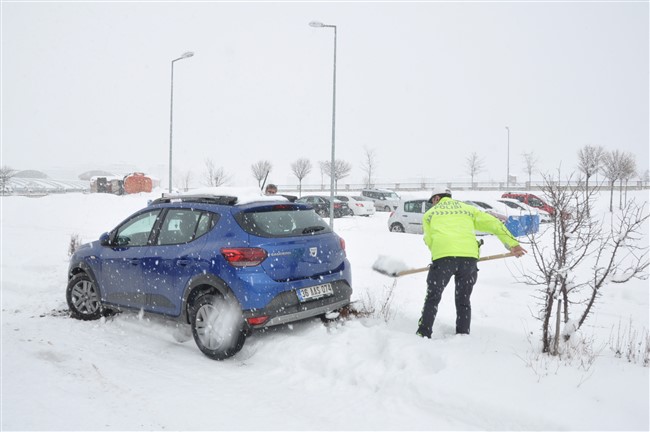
column 584, row 256
column 629, row 344
column 75, row 242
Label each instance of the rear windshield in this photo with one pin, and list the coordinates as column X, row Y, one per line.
column 282, row 223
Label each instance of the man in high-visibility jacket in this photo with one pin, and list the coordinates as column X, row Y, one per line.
column 449, row 232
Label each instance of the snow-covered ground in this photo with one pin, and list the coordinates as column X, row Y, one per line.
column 129, row 373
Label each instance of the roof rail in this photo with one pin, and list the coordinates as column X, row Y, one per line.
column 206, row 199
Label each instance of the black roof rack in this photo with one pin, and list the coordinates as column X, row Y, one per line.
column 204, row 199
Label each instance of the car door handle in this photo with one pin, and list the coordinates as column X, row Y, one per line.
column 182, row 262
column 135, row 261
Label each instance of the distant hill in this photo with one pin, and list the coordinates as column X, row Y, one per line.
column 34, row 174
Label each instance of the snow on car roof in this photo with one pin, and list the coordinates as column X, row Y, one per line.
column 244, row 195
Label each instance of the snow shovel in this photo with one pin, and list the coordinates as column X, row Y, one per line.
column 386, row 267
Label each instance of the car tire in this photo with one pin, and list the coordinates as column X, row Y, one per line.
column 217, row 326
column 322, row 213
column 83, row 298
column 387, row 208
column 397, row 227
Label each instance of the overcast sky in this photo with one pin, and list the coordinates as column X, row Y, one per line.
column 87, row 85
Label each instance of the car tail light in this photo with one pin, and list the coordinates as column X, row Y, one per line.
column 338, row 205
column 244, row 257
column 257, row 320
column 391, row 214
column 358, row 205
column 342, row 244
column 282, row 207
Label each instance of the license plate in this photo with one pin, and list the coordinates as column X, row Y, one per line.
column 314, row 292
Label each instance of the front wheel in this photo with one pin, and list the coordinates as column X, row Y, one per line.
column 83, row 298
column 217, row 326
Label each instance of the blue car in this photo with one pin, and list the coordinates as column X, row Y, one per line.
column 224, row 265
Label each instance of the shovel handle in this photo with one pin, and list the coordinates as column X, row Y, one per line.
column 485, row 258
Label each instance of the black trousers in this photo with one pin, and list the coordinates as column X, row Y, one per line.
column 465, row 274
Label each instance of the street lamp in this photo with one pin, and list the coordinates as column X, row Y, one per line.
column 332, row 165
column 508, row 172
column 185, row 55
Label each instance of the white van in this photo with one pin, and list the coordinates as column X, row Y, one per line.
column 384, row 199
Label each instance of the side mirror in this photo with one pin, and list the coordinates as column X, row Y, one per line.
column 105, row 239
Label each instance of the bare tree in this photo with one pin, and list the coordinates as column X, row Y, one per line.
column 341, row 170
column 185, row 180
column 530, row 163
column 6, row 174
column 261, row 170
column 369, row 165
column 590, row 159
column 628, row 170
column 322, row 165
column 301, row 168
column 215, row 176
column 474, row 165
column 611, row 169
column 583, row 258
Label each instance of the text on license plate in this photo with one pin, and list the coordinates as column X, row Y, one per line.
column 314, row 292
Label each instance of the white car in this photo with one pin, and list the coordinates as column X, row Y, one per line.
column 488, row 208
column 407, row 217
column 359, row 205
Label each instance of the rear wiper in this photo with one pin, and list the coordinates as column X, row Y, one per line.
column 312, row 229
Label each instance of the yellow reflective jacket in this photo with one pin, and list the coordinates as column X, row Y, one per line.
column 450, row 226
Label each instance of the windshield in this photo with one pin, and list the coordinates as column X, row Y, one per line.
column 389, row 195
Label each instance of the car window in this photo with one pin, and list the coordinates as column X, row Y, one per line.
column 178, row 227
column 535, row 202
column 342, row 198
column 184, row 226
column 205, row 224
column 511, row 204
column 136, row 231
column 484, row 205
column 413, row 206
column 282, row 223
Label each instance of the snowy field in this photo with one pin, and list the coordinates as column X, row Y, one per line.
column 129, row 373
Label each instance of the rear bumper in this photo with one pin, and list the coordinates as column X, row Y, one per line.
column 286, row 307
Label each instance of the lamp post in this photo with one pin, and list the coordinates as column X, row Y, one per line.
column 332, row 164
column 508, row 169
column 185, row 55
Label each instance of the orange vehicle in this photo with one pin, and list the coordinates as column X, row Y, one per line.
column 137, row 182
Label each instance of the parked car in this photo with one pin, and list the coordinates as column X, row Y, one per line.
column 358, row 205
column 518, row 208
column 223, row 265
column 531, row 200
column 384, row 199
column 321, row 203
column 407, row 217
column 488, row 208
